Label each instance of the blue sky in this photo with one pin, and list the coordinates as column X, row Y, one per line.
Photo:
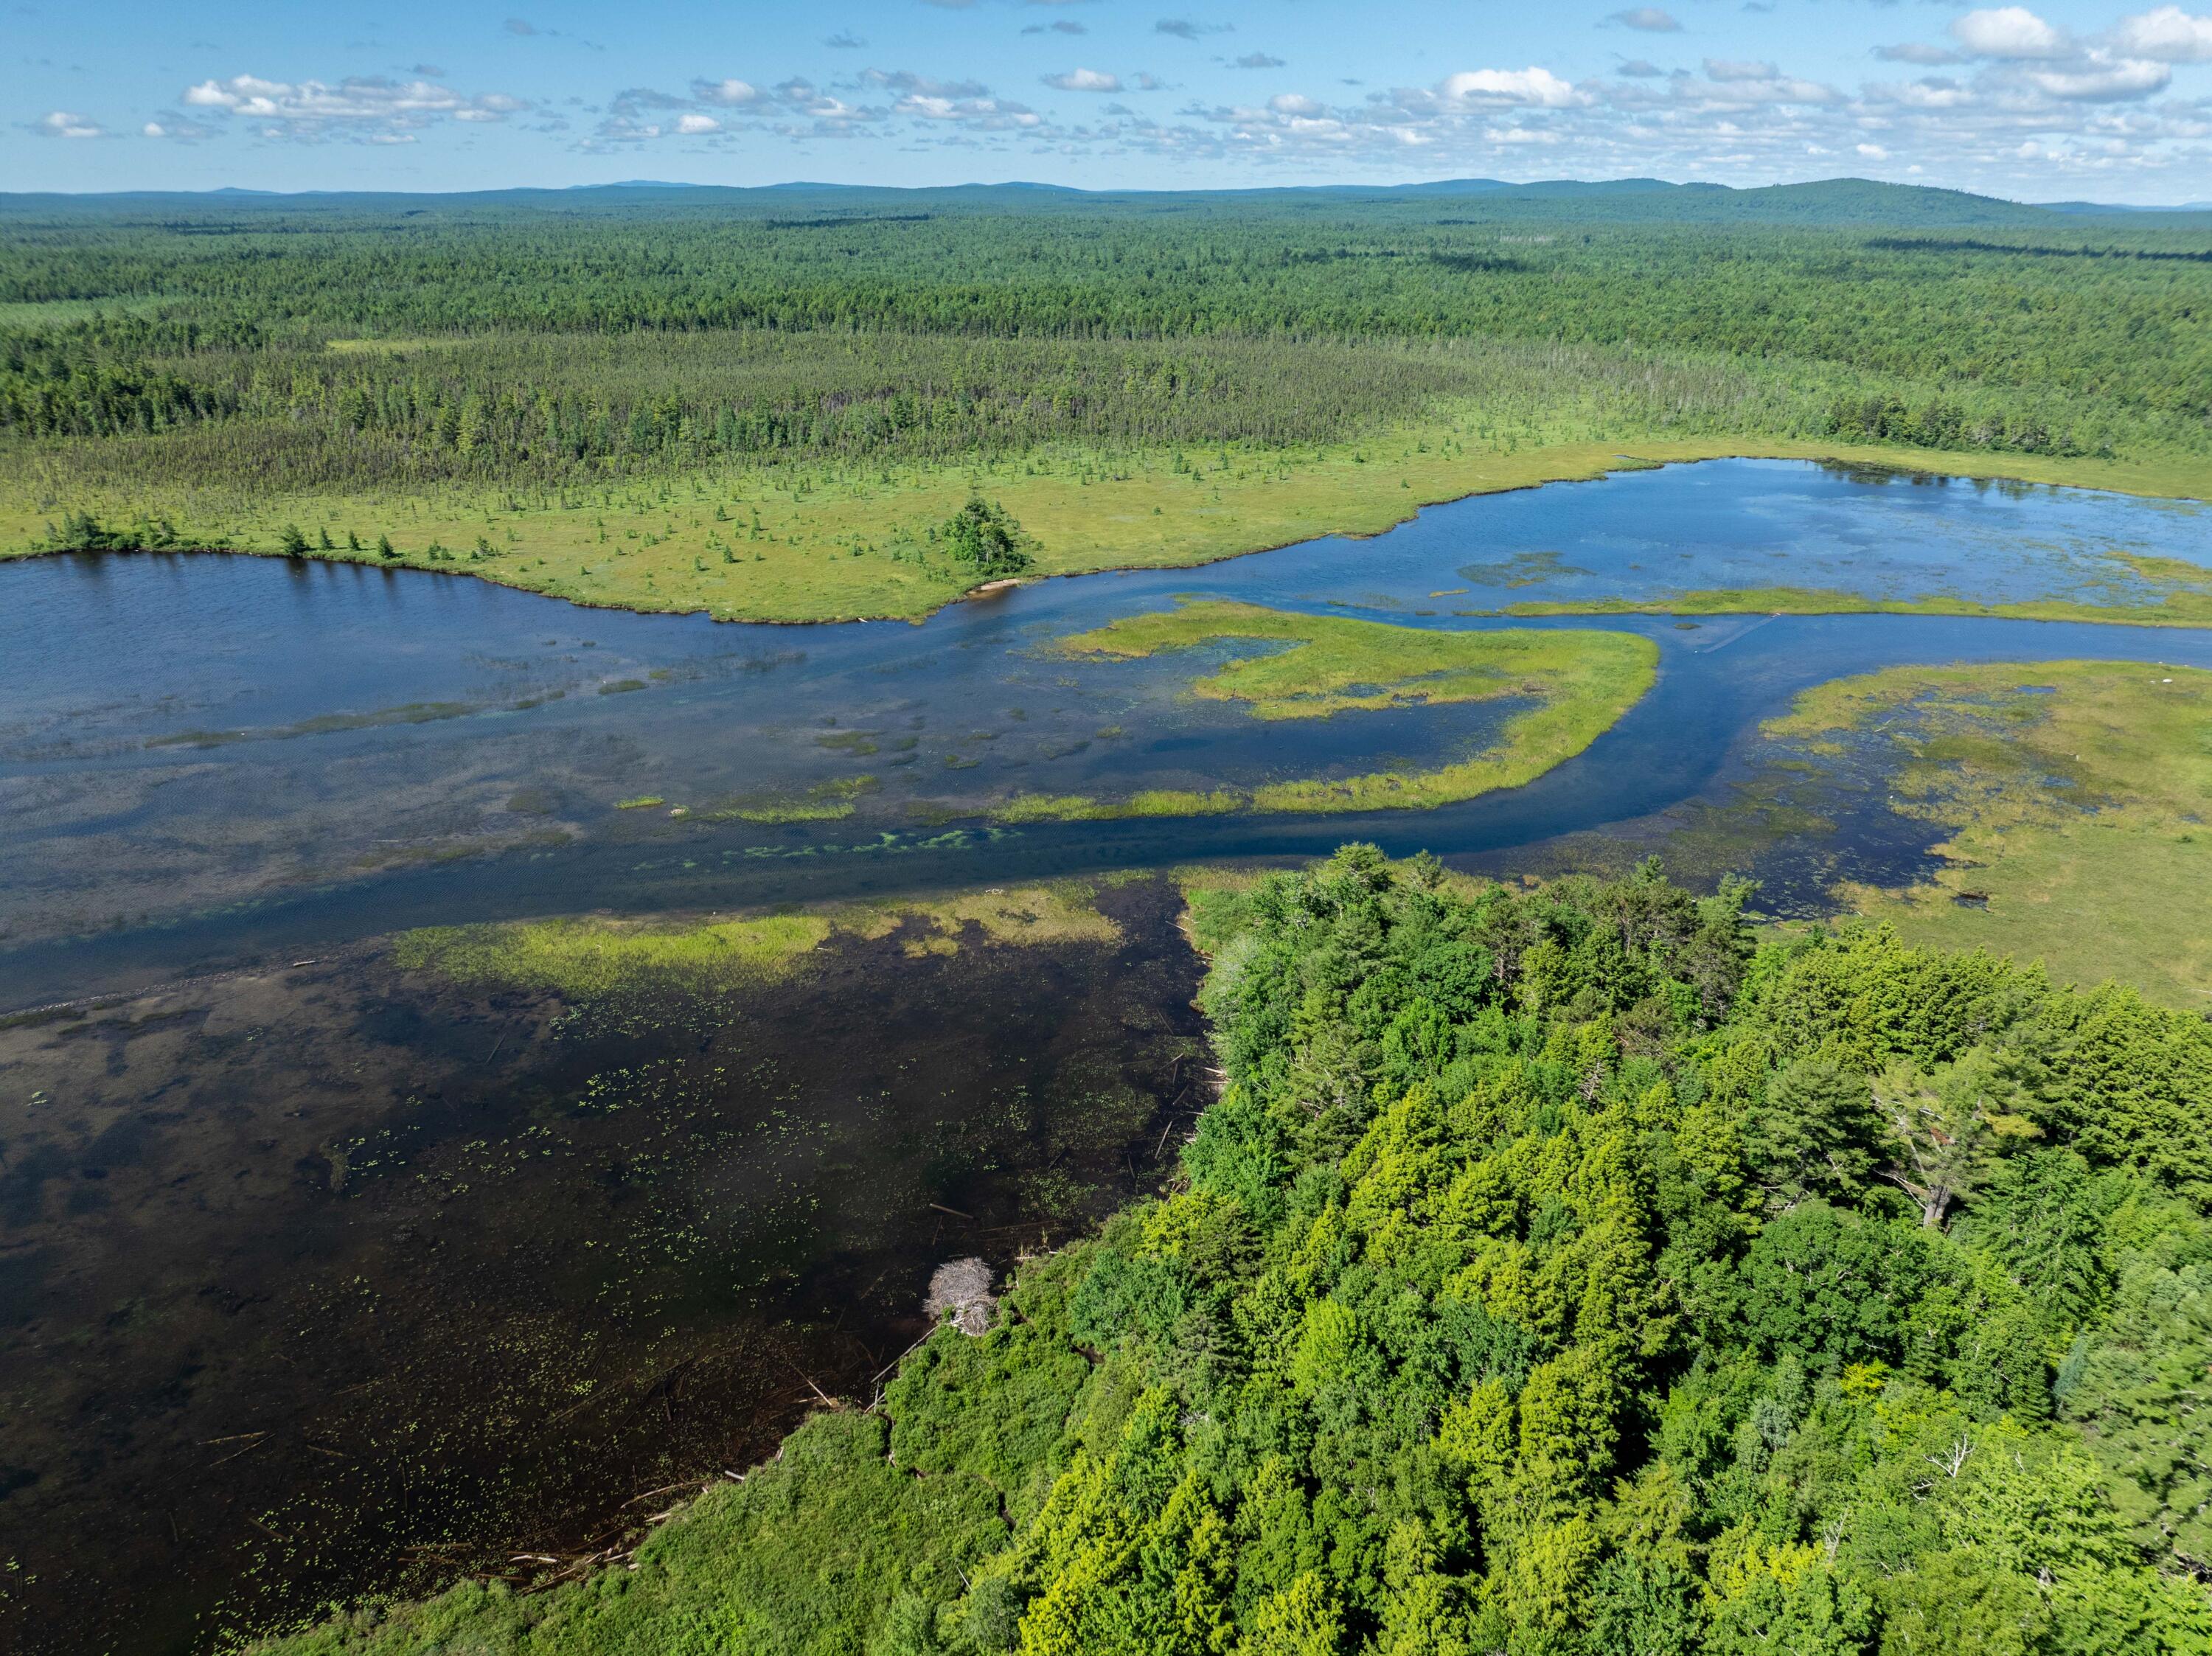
column 2039, row 102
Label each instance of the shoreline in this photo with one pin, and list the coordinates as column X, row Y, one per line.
column 1598, row 468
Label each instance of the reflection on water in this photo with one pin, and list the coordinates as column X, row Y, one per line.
column 332, row 1279
column 318, row 1278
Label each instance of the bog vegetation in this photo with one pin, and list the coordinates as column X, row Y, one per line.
column 1558, row 1273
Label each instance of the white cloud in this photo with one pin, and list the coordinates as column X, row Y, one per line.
column 695, row 125
column 1650, row 19
column 178, row 128
column 368, row 107
column 1740, row 85
column 1533, row 86
column 829, row 115
column 2012, row 32
column 1295, row 103
column 2168, row 34
column 1872, row 152
column 1084, row 80
column 1930, row 92
column 728, row 94
column 1912, row 52
column 905, row 81
column 60, row 123
column 986, row 114
column 2101, row 79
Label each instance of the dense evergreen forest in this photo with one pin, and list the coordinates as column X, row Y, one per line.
column 327, row 344
column 1558, row 1272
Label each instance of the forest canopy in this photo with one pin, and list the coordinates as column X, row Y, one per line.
column 507, row 345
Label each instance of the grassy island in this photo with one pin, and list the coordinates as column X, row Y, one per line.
column 1315, row 666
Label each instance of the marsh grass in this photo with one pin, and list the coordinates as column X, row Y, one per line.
column 2188, row 603
column 596, row 956
column 2077, row 795
column 1088, row 507
column 827, row 801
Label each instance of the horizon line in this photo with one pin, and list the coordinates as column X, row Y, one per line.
column 1656, row 184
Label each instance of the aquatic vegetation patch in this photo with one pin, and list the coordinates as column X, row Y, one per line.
column 581, row 958
column 593, row 956
column 2183, row 604
column 2077, row 796
column 1151, row 802
column 1522, row 569
column 413, row 712
column 1059, row 913
column 824, row 802
column 1579, row 682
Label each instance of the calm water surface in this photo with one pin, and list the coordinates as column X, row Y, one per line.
column 318, row 1280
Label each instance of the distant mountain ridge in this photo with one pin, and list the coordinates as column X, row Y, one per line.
column 1842, row 201
column 2122, row 207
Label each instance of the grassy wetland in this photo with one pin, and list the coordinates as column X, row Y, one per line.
column 2073, row 798
column 2049, row 810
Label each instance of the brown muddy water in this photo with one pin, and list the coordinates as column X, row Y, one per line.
column 337, row 1279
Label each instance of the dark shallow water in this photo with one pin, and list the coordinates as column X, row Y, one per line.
column 317, row 1279
column 332, row 1280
